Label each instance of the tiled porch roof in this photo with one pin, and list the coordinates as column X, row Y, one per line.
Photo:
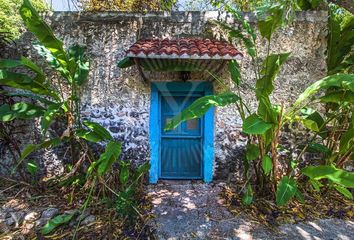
column 183, row 48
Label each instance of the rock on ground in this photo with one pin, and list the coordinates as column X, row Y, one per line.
column 17, row 216
column 193, row 210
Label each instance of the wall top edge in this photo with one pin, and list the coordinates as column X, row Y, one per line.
column 179, row 16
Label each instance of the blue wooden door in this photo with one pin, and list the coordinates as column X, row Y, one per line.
column 181, row 148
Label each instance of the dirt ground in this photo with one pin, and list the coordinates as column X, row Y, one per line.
column 187, row 210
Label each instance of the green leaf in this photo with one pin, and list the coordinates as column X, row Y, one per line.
column 34, row 147
column 25, row 62
column 249, row 42
column 252, row 152
column 111, row 154
column 126, row 62
column 77, row 54
column 95, row 133
column 98, row 130
column 307, row 4
column 30, row 95
column 124, row 173
column 294, row 164
column 267, row 164
column 314, row 122
column 9, row 63
column 310, row 124
column 266, row 110
column 22, row 81
column 286, row 190
column 88, row 135
column 140, row 171
column 52, row 61
column 316, row 185
column 306, row 111
column 200, row 106
column 248, row 196
column 267, row 24
column 29, row 148
column 319, row 148
column 32, row 167
column 49, row 115
column 338, row 176
column 344, row 191
column 317, row 118
column 270, row 68
column 299, row 196
column 234, row 70
column 338, row 97
column 40, row 77
column 19, row 110
column 56, row 222
column 341, row 81
column 125, row 202
column 255, row 125
column 346, row 141
column 268, row 136
column 45, row 35
column 340, row 39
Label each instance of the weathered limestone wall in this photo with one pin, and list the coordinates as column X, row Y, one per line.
column 120, row 100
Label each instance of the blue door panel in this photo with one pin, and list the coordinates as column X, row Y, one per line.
column 187, row 134
column 181, row 148
column 181, row 158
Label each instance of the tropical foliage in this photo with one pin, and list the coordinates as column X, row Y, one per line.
column 59, row 101
column 324, row 110
column 263, row 127
column 340, row 41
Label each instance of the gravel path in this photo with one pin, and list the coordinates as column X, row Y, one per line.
column 186, row 210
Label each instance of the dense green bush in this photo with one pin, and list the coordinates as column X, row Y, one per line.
column 10, row 19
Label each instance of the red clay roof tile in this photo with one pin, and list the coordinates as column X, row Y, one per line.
column 190, row 47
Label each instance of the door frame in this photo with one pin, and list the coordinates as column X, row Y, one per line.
column 157, row 88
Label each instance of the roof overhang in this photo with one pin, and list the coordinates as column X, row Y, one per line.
column 181, row 55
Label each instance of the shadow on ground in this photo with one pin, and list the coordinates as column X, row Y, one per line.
column 194, row 210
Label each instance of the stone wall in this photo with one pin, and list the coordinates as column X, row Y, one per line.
column 120, row 100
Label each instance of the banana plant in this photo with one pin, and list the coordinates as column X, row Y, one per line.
column 338, row 179
column 332, row 131
column 263, row 126
column 53, row 100
column 50, row 101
